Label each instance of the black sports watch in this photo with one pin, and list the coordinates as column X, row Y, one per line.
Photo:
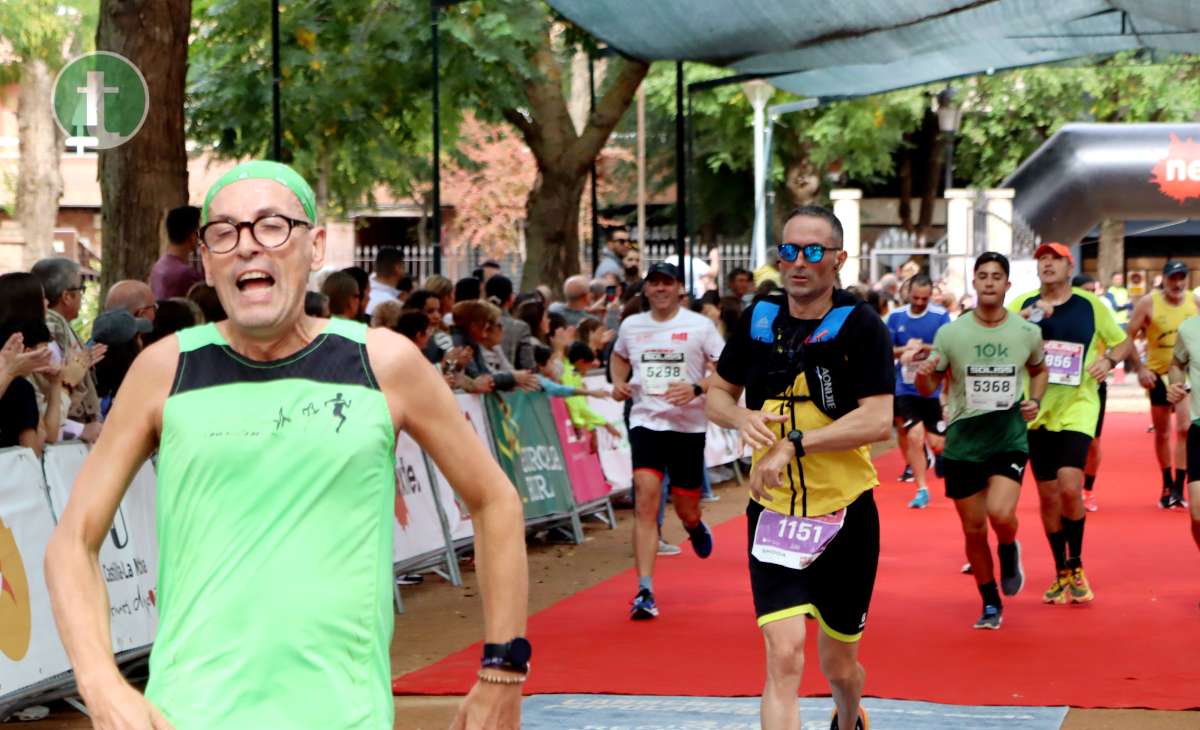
column 797, row 439
column 697, row 390
column 513, row 656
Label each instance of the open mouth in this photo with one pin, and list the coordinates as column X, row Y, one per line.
column 255, row 281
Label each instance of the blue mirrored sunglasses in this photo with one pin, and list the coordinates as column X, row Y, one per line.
column 814, row 253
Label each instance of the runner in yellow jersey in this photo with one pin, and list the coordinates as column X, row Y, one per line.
column 1159, row 316
column 816, row 367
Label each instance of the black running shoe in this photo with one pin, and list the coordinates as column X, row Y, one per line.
column 1012, row 575
column 991, row 618
column 1165, row 501
column 906, row 475
column 702, row 539
column 644, row 607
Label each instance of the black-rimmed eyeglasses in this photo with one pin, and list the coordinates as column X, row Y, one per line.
column 269, row 231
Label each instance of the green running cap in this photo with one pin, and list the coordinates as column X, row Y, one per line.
column 266, row 170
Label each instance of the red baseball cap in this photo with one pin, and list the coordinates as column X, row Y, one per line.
column 1057, row 249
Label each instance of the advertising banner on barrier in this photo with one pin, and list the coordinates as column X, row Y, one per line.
column 457, row 516
column 417, row 530
column 583, row 465
column 615, row 457
column 721, row 446
column 30, row 651
column 528, row 450
column 128, row 555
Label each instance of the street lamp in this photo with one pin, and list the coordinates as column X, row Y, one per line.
column 949, row 114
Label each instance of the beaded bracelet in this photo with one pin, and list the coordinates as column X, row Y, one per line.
column 494, row 679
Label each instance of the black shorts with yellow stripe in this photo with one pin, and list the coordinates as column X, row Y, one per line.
column 835, row 589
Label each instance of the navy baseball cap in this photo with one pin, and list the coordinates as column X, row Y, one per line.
column 665, row 269
column 1172, row 268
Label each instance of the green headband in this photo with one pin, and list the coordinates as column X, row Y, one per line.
column 266, row 170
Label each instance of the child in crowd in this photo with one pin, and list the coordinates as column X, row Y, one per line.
column 581, row 359
column 542, row 356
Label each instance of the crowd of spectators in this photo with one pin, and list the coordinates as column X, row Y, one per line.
column 481, row 331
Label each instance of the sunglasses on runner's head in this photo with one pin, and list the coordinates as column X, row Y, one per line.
column 814, row 253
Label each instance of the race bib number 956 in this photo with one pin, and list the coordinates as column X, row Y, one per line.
column 1064, row 360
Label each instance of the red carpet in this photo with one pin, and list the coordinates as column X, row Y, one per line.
column 1138, row 645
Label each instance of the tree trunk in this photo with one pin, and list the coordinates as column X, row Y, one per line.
column 905, row 178
column 147, row 176
column 1111, row 259
column 932, row 149
column 802, row 181
column 552, row 246
column 39, row 178
column 563, row 158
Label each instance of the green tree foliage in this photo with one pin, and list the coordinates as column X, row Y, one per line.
column 356, row 96
column 354, row 93
column 1007, row 116
column 860, row 142
column 855, row 139
column 521, row 53
column 45, row 30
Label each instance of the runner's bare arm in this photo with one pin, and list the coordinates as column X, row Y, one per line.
column 929, row 377
column 870, row 422
column 423, row 405
column 1138, row 322
column 77, row 590
column 621, row 371
column 722, row 409
column 1177, row 377
column 1120, row 353
column 1039, row 377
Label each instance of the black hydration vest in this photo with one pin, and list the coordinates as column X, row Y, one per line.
column 778, row 356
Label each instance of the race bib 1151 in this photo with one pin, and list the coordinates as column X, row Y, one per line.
column 794, row 542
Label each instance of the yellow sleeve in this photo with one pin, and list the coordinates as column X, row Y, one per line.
column 1106, row 326
column 1018, row 303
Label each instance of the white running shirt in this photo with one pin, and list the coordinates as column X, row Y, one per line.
column 660, row 353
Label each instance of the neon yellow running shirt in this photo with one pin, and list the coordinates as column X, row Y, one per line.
column 275, row 486
column 1073, row 336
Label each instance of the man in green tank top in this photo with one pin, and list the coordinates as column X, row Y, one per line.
column 275, row 434
column 982, row 356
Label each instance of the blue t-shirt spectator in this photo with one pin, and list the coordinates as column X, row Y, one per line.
column 905, row 326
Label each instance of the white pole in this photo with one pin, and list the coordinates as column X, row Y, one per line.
column 759, row 93
column 641, row 173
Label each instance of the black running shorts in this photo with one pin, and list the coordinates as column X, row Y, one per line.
column 1158, row 394
column 968, row 478
column 911, row 409
column 835, row 589
column 679, row 455
column 1050, row 451
column 1193, row 453
column 1103, row 405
